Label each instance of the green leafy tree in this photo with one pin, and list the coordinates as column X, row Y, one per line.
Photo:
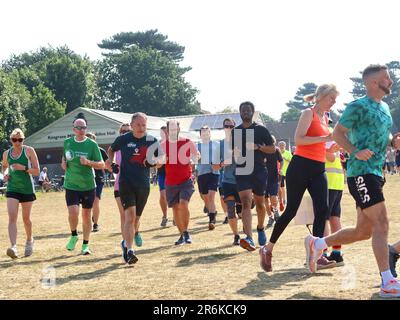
column 298, row 104
column 266, row 118
column 292, row 114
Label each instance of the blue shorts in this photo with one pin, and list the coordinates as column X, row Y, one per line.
column 161, row 181
column 272, row 188
column 99, row 190
column 207, row 182
column 257, row 181
column 229, row 190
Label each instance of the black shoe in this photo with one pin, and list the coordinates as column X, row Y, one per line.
column 225, row 221
column 95, row 227
column 131, row 258
column 180, row 241
column 393, row 257
column 205, row 210
column 187, row 237
column 236, row 240
column 124, row 251
column 337, row 257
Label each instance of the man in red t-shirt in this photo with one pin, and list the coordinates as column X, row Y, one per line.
column 181, row 153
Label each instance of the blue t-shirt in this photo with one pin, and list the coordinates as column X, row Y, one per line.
column 369, row 123
column 209, row 155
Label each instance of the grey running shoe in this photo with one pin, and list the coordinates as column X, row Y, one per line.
column 12, row 252
column 270, row 222
column 276, row 215
column 164, row 222
column 29, row 248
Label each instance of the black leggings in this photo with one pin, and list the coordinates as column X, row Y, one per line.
column 304, row 174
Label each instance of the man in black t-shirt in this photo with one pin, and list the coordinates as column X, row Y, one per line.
column 251, row 142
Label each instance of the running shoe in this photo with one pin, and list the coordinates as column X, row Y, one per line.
column 270, row 222
column 29, row 248
column 276, row 215
column 180, row 241
column 265, row 259
column 174, row 223
column 324, row 263
column 85, row 249
column 138, row 239
column 262, row 238
column 205, row 210
column 124, row 251
column 247, row 244
column 12, row 252
column 393, row 257
column 164, row 222
column 95, row 227
column 337, row 257
column 72, row 243
column 312, row 255
column 131, row 257
column 187, row 238
column 390, row 290
column 236, row 240
column 225, row 221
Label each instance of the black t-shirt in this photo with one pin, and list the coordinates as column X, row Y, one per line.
column 261, row 137
column 133, row 154
column 161, row 171
column 272, row 165
column 99, row 174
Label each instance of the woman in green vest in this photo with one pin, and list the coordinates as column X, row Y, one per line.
column 20, row 163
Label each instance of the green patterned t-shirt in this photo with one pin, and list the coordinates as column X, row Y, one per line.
column 369, row 123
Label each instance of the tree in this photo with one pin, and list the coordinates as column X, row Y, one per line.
column 14, row 98
column 298, row 104
column 228, row 110
column 293, row 114
column 266, row 118
column 141, row 73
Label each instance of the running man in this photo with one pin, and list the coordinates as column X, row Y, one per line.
column 80, row 156
column 181, row 154
column 207, row 178
column 99, row 179
column 138, row 154
column 287, row 157
column 274, row 163
column 255, row 142
column 19, row 164
column 364, row 131
column 230, row 193
column 161, row 183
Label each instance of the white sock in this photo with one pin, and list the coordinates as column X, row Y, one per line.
column 320, row 244
column 386, row 277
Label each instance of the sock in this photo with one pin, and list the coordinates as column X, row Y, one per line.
column 386, row 277
column 74, row 233
column 336, row 249
column 85, row 241
column 320, row 244
column 325, row 254
column 260, row 229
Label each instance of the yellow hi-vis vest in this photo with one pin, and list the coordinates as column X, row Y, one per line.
column 335, row 174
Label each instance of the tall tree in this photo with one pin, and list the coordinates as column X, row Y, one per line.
column 298, row 104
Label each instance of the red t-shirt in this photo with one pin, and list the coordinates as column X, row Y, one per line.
column 178, row 167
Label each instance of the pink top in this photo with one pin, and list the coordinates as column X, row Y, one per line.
column 118, row 161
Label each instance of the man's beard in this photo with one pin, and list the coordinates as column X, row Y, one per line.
column 386, row 90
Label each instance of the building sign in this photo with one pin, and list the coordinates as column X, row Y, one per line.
column 61, row 136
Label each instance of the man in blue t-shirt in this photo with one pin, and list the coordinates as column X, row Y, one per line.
column 364, row 131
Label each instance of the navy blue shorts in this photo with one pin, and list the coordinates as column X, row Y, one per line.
column 161, row 181
column 207, row 182
column 272, row 188
column 99, row 190
column 230, row 190
column 257, row 181
column 335, row 197
column 183, row 191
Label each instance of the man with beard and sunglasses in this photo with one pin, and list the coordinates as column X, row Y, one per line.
column 364, row 131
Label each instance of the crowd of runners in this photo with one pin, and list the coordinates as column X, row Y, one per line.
column 248, row 169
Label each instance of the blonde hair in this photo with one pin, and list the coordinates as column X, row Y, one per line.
column 17, row 132
column 322, row 91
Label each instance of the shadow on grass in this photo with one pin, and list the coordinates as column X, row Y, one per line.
column 309, row 296
column 53, row 236
column 266, row 282
column 84, row 261
column 25, row 261
column 214, row 258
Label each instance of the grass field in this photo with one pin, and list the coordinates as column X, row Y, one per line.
column 210, row 268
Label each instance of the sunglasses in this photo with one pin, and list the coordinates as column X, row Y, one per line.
column 17, row 140
column 80, row 127
column 226, row 126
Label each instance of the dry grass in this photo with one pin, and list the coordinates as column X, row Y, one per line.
column 210, row 268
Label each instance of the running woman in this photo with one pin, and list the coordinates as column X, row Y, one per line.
column 251, row 142
column 99, row 179
column 161, row 183
column 181, row 154
column 138, row 154
column 207, row 178
column 306, row 171
column 20, row 163
column 230, row 193
column 274, row 163
column 287, row 157
column 364, row 131
column 80, row 156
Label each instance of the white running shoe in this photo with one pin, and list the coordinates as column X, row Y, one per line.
column 312, row 255
column 29, row 248
column 12, row 252
column 390, row 290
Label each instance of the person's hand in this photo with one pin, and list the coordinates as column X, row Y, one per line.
column 364, row 155
column 333, row 148
column 328, row 138
column 18, row 167
column 84, row 161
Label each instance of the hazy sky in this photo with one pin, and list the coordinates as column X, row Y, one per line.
column 260, row 51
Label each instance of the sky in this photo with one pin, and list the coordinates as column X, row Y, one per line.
column 255, row 50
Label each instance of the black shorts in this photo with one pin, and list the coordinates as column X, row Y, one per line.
column 99, row 190
column 21, row 197
column 221, row 192
column 116, row 194
column 367, row 190
column 40, row 183
column 133, row 197
column 230, row 190
column 283, row 179
column 207, row 182
column 75, row 198
column 335, row 197
column 257, row 181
